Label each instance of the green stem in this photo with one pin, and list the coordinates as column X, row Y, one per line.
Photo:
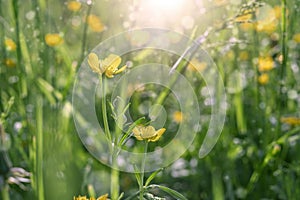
column 5, row 192
column 114, row 177
column 85, row 34
column 104, row 110
column 282, row 96
column 143, row 171
column 39, row 149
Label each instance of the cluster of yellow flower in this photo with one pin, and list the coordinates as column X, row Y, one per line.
column 265, row 22
column 103, row 197
column 265, row 64
column 10, row 46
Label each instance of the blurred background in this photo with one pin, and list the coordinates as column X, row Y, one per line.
column 255, row 45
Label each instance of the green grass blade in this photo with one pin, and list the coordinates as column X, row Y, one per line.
column 152, row 176
column 171, row 192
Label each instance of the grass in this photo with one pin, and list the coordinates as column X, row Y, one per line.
column 256, row 156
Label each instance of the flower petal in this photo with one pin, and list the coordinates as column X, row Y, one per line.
column 93, row 61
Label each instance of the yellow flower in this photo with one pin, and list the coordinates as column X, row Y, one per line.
column 9, row 62
column 178, row 117
column 53, row 39
column 243, row 18
column 247, row 26
column 296, row 37
column 74, row 6
column 10, row 44
column 109, row 65
column 95, row 23
column 263, row 79
column 103, row 197
column 266, row 27
column 265, row 64
column 147, row 133
column 290, row 120
column 196, row 65
column 244, row 55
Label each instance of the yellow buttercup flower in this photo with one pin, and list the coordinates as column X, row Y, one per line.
column 265, row 64
column 74, row 6
column 196, row 65
column 9, row 62
column 53, row 39
column 290, row 120
column 243, row 18
column 247, row 26
column 109, row 65
column 147, row 133
column 178, row 117
column 10, row 44
column 244, row 55
column 95, row 23
column 296, row 37
column 103, row 197
column 263, row 79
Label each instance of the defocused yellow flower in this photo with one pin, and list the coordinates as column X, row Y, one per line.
column 296, row 37
column 53, row 39
column 178, row 117
column 243, row 18
column 10, row 44
column 103, row 197
column 74, row 6
column 247, row 26
column 80, row 198
column 95, row 23
column 266, row 27
column 9, row 62
column 196, row 65
column 147, row 133
column 109, row 65
column 244, row 55
column 277, row 11
column 265, row 64
column 263, row 79
column 290, row 120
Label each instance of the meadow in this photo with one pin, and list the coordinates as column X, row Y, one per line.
column 149, row 99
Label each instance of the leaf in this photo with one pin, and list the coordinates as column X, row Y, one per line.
column 152, row 176
column 131, row 127
column 171, row 192
column 137, row 175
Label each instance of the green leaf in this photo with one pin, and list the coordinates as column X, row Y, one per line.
column 171, row 192
column 152, row 176
column 131, row 127
column 137, row 175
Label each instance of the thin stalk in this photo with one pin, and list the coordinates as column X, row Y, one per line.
column 282, row 96
column 5, row 192
column 104, row 110
column 143, row 172
column 39, row 149
column 85, row 28
column 114, row 178
column 22, row 82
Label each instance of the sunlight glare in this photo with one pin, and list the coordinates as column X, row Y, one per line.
column 166, row 5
